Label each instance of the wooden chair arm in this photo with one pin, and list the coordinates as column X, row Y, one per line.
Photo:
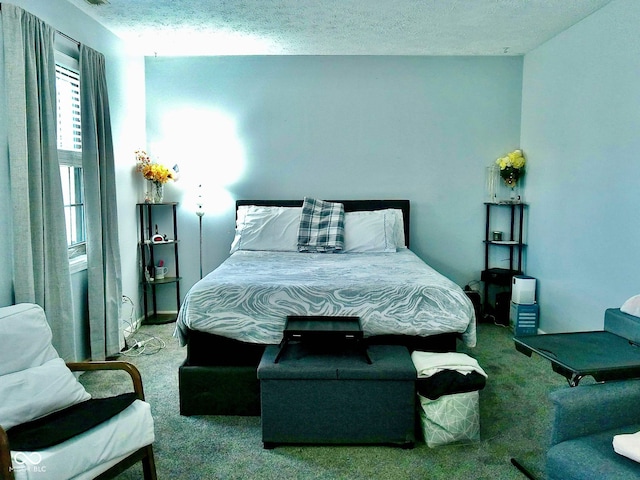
column 131, row 369
column 6, row 468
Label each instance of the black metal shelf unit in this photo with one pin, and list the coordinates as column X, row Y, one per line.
column 148, row 261
column 502, row 277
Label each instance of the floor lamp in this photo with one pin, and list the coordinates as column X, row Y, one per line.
column 200, row 214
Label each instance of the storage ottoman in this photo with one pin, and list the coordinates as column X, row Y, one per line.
column 318, row 397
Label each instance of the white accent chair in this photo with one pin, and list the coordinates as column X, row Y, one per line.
column 58, row 430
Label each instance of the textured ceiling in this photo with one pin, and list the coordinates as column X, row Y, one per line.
column 338, row 27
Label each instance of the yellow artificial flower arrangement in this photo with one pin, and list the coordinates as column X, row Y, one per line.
column 154, row 172
column 512, row 167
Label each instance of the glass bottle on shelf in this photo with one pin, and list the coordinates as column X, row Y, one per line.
column 492, row 175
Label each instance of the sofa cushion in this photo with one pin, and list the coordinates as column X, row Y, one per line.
column 591, row 458
column 25, row 338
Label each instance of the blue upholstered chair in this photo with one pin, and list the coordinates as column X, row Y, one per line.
column 586, row 419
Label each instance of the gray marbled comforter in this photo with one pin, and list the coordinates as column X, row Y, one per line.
column 249, row 296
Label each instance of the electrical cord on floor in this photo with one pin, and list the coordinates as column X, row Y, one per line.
column 472, row 288
column 492, row 319
column 130, row 322
column 138, row 343
column 143, row 344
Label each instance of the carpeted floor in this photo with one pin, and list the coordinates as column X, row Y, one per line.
column 515, row 419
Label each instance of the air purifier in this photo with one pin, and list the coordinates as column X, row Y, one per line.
column 523, row 290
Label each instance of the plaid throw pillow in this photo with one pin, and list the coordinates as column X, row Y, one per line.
column 321, row 226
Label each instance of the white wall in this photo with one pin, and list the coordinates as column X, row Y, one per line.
column 125, row 79
column 581, row 131
column 422, row 128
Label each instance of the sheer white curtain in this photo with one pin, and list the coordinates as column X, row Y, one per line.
column 41, row 265
column 103, row 254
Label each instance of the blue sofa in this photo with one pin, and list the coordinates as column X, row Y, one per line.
column 586, row 419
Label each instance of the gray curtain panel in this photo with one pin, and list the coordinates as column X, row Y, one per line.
column 41, row 265
column 103, row 254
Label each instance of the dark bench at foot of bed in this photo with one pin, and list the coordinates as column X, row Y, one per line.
column 313, row 396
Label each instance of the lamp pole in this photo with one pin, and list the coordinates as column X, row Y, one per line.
column 200, row 214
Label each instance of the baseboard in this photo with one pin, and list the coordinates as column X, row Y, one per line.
column 160, row 317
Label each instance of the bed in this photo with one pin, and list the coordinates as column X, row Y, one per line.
column 233, row 313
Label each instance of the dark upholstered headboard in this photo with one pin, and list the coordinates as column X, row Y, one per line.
column 349, row 206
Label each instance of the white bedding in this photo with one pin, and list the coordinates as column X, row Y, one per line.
column 250, row 295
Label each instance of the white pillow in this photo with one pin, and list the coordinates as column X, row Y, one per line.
column 267, row 228
column 628, row 445
column 399, row 236
column 369, row 231
column 38, row 391
column 632, row 306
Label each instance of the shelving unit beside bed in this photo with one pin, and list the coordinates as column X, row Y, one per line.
column 219, row 376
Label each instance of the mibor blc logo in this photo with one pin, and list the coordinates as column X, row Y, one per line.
column 28, row 461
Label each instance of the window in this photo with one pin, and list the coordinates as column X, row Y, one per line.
column 70, row 154
column 69, row 119
column 73, row 208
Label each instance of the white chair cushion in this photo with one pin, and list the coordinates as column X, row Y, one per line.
column 38, row 391
column 25, row 338
column 118, row 437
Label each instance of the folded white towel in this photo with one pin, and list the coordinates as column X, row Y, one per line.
column 632, row 306
column 628, row 445
column 430, row 363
